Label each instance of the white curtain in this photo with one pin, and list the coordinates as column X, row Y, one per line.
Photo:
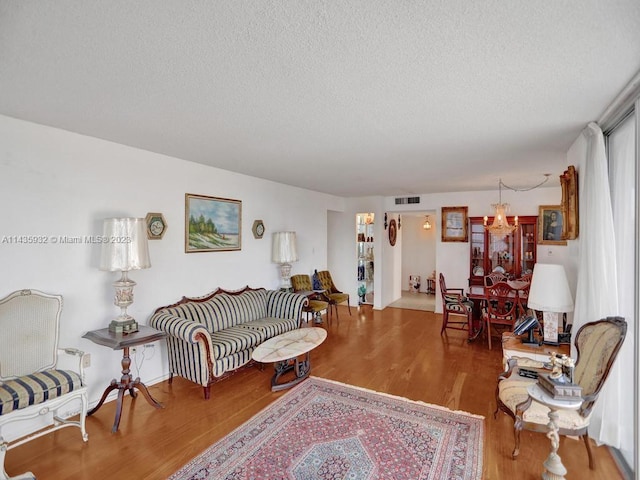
column 622, row 176
column 596, row 290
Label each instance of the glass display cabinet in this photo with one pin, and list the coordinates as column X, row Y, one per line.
column 364, row 242
column 513, row 254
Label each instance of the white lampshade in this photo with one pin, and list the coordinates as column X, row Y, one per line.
column 125, row 245
column 284, row 248
column 549, row 291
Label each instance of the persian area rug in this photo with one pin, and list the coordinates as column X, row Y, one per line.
column 328, row 430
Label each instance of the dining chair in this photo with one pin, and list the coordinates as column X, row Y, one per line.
column 493, row 278
column 597, row 344
column 525, row 277
column 454, row 302
column 501, row 307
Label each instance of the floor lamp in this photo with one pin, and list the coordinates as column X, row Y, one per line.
column 125, row 248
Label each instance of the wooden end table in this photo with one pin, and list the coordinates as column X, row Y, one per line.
column 124, row 341
column 512, row 346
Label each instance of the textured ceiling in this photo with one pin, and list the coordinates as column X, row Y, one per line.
column 352, row 98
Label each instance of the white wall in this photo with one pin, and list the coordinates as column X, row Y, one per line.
column 55, row 183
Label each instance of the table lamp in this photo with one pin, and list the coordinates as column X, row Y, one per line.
column 550, row 294
column 125, row 248
column 283, row 251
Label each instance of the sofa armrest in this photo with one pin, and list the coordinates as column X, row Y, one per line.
column 185, row 330
column 285, row 305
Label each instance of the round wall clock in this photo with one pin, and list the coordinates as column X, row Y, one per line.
column 393, row 232
column 258, row 229
column 156, row 226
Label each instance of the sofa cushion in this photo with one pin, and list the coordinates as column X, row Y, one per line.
column 36, row 388
column 270, row 327
column 234, row 339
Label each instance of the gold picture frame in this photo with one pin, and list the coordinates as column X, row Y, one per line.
column 455, row 224
column 569, row 184
column 212, row 224
column 550, row 224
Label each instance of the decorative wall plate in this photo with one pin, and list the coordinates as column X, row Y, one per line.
column 156, row 226
column 258, row 228
column 393, row 232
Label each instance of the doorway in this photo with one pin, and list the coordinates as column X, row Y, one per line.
column 418, row 251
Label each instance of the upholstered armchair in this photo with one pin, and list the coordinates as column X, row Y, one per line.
column 455, row 303
column 335, row 296
column 318, row 302
column 597, row 344
column 35, row 379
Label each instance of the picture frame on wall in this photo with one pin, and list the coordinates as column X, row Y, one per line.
column 569, row 184
column 455, row 224
column 550, row 223
column 212, row 224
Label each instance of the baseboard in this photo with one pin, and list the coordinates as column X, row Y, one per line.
column 623, row 466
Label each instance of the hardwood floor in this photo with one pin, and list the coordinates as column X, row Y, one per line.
column 396, row 351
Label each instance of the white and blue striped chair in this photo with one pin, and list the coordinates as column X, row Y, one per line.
column 32, row 385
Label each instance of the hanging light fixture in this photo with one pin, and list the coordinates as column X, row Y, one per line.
column 427, row 224
column 500, row 225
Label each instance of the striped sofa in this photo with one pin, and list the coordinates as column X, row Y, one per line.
column 209, row 337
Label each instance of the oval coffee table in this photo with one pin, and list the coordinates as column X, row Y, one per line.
column 283, row 350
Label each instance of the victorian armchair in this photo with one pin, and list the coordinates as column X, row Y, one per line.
column 33, row 383
column 318, row 302
column 454, row 302
column 335, row 296
column 597, row 344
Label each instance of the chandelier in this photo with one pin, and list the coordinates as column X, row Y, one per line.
column 427, row 224
column 500, row 225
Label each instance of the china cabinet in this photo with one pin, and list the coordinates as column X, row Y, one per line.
column 364, row 242
column 513, row 254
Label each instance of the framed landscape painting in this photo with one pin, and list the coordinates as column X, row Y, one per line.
column 454, row 224
column 212, row 224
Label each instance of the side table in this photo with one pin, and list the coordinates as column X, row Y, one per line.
column 123, row 341
column 284, row 349
column 512, row 346
column 554, row 469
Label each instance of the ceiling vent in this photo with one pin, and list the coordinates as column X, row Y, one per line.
column 406, row 200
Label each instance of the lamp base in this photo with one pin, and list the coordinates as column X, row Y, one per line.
column 128, row 325
column 550, row 328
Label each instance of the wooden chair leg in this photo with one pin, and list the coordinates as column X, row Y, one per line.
column 587, row 442
column 489, row 332
column 516, row 434
column 445, row 319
